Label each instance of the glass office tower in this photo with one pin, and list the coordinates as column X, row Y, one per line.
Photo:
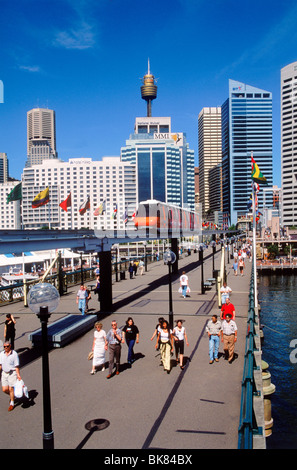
column 246, row 130
column 164, row 162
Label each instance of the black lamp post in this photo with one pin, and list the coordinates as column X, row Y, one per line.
column 169, row 259
column 213, row 245
column 201, row 248
column 43, row 299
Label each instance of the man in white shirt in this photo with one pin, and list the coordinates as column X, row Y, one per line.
column 184, row 283
column 9, row 366
column 229, row 337
column 225, row 292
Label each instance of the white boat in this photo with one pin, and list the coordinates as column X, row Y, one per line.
column 7, row 279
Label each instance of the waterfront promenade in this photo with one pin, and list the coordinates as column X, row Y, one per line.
column 194, row 408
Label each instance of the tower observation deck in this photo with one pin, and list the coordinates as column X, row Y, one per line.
column 149, row 90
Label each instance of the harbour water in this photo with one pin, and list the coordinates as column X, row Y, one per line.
column 278, row 301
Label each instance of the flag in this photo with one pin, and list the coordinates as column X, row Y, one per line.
column 115, row 209
column 85, row 206
column 257, row 176
column 41, row 199
column 15, row 194
column 67, row 203
column 125, row 217
column 100, row 209
column 134, row 215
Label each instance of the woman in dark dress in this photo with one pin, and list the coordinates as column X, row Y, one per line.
column 9, row 329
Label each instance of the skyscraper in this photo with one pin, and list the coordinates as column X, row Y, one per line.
column 41, row 136
column 246, row 129
column 3, row 168
column 164, row 162
column 210, row 153
column 289, row 143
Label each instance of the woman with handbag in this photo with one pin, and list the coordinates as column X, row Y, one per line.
column 98, row 348
column 166, row 345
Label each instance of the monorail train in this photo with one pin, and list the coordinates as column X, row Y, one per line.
column 166, row 219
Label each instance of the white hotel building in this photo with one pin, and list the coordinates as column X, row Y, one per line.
column 109, row 180
column 10, row 217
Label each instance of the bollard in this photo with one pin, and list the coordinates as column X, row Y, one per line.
column 268, row 389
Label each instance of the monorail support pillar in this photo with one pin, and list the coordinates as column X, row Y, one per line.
column 105, row 281
column 174, row 248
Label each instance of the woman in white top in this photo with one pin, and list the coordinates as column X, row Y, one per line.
column 166, row 345
column 179, row 335
column 98, row 347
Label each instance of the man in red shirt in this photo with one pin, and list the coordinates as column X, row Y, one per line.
column 228, row 308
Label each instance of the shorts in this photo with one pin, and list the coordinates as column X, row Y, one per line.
column 179, row 346
column 9, row 379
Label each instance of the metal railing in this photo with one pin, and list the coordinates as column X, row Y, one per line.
column 18, row 292
column 247, row 422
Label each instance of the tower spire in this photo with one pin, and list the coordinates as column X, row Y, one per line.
column 149, row 89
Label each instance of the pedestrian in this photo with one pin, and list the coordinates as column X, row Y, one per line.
column 180, row 336
column 131, row 335
column 98, row 348
column 141, row 267
column 225, row 292
column 10, row 369
column 184, row 284
column 135, row 266
column 131, row 270
column 9, row 329
column 157, row 330
column 97, row 288
column 235, row 267
column 241, row 265
column 229, row 337
column 113, row 344
column 228, row 307
column 81, row 298
column 88, row 297
column 166, row 345
column 213, row 329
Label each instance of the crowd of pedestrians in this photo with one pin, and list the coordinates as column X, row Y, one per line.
column 106, row 350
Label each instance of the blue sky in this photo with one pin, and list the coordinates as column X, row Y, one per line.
column 85, row 58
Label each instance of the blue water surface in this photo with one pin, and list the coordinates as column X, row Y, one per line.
column 277, row 298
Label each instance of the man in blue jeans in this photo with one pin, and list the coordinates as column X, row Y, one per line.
column 213, row 329
column 81, row 299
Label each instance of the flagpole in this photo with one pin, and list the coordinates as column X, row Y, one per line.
column 254, row 246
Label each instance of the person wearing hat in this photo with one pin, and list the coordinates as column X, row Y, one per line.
column 180, row 336
column 229, row 337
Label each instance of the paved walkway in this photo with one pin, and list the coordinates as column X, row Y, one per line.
column 197, row 408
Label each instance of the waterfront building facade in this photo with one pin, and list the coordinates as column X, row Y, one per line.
column 163, row 160
column 289, row 143
column 10, row 217
column 210, row 155
column 108, row 184
column 246, row 130
column 41, row 136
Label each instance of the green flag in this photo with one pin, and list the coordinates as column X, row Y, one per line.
column 15, row 194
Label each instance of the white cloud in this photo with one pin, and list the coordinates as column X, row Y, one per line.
column 81, row 37
column 30, row 68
